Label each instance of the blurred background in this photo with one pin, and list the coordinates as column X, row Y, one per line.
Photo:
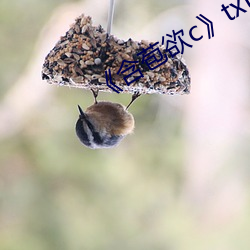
column 180, row 182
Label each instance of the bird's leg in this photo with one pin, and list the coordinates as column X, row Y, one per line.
column 95, row 94
column 134, row 97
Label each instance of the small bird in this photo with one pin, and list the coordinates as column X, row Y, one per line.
column 104, row 124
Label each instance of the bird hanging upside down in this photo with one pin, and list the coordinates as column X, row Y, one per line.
column 104, row 124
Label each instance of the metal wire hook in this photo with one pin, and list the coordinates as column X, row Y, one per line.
column 110, row 15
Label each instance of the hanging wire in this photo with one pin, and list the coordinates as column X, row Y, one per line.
column 110, row 15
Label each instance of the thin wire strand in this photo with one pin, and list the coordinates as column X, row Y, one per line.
column 110, row 16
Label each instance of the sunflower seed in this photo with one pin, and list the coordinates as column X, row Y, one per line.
column 102, row 80
column 61, row 62
column 85, row 46
column 77, row 57
column 68, row 54
column 88, row 62
column 69, row 60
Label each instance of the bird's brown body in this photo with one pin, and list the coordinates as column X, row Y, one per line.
column 110, row 117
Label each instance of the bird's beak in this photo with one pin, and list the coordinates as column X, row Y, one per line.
column 82, row 115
